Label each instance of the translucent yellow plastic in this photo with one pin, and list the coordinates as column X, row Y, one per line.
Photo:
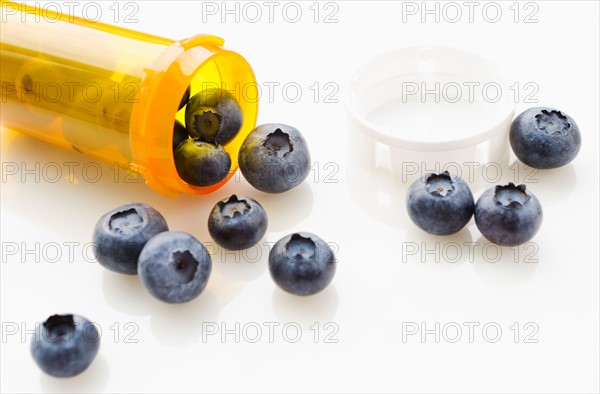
column 112, row 93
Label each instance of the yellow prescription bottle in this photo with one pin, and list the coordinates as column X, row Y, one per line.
column 112, row 93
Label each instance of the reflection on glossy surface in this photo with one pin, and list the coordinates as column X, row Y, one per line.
column 437, row 252
column 506, row 266
column 242, row 265
column 40, row 172
column 125, row 293
column 320, row 307
column 182, row 324
column 92, row 380
column 285, row 210
column 549, row 186
column 81, row 189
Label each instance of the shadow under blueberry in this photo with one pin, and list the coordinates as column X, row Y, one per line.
column 285, row 210
column 125, row 293
column 320, row 307
column 553, row 186
column 92, row 380
column 242, row 265
column 182, row 324
column 505, row 266
column 436, row 252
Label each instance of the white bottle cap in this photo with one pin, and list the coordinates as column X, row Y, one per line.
column 419, row 110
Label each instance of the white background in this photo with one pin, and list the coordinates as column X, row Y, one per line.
column 378, row 291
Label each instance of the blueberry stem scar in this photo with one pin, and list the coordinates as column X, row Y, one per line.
column 300, row 247
column 552, row 122
column 208, row 123
column 125, row 221
column 510, row 195
column 278, row 143
column 440, row 184
column 58, row 326
column 184, row 265
column 234, row 206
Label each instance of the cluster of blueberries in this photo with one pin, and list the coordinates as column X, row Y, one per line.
column 174, row 266
column 273, row 158
column 212, row 119
column 507, row 215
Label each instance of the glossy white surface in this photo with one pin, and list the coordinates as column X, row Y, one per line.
column 388, row 283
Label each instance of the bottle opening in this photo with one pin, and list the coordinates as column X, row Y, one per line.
column 202, row 66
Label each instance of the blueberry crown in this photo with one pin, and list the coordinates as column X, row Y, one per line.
column 440, row 184
column 184, row 266
column 552, row 122
column 208, row 123
column 125, row 221
column 59, row 326
column 510, row 195
column 234, row 206
column 299, row 247
column 278, row 143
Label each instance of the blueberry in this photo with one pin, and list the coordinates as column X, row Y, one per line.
column 302, row 264
column 440, row 204
column 237, row 223
column 201, row 163
column 179, row 134
column 185, row 98
column 508, row 215
column 274, row 158
column 174, row 267
column 65, row 345
column 545, row 138
column 121, row 233
column 213, row 116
